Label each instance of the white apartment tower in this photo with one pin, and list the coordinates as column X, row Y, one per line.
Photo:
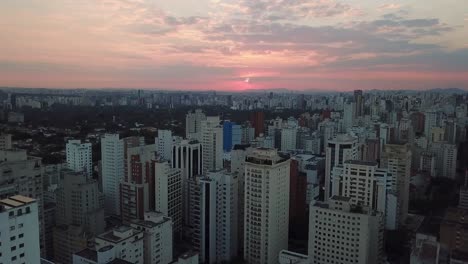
column 338, row 150
column 288, row 138
column 366, row 185
column 266, row 205
column 127, row 241
column 168, row 192
column 112, row 160
column 340, row 232
column 79, row 157
column 164, row 144
column 157, row 239
column 212, row 143
column 19, row 229
column 396, row 158
column 193, row 124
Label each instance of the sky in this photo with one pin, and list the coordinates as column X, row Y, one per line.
column 234, row 45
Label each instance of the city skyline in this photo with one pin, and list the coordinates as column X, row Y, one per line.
column 234, row 45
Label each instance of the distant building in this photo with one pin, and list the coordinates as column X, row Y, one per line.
column 212, row 143
column 19, row 228
column 454, row 230
column 112, row 163
column 15, row 117
column 164, row 144
column 257, row 119
column 79, row 157
column 232, row 135
column 193, row 124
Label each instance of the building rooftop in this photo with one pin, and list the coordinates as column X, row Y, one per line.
column 15, row 201
column 88, row 254
column 361, row 162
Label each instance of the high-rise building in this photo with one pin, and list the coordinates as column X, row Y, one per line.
column 257, row 120
column 341, row 148
column 431, row 119
column 79, row 157
column 5, row 141
column 112, row 164
column 348, row 116
column 358, row 103
column 137, row 194
column 212, row 143
column 396, row 158
column 427, row 162
column 187, row 156
column 21, row 174
column 367, row 185
column 19, row 229
column 340, row 232
column 371, row 150
column 168, row 192
column 193, row 124
column 164, row 144
column 232, row 135
column 157, row 238
column 297, row 198
column 454, row 230
column 445, row 159
column 80, row 215
column 266, row 205
column 288, row 138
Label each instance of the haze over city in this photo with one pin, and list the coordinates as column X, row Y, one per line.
column 234, row 45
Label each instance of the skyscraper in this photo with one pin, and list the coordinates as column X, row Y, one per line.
column 212, row 143
column 80, row 215
column 288, row 138
column 193, row 124
column 112, row 162
column 232, row 135
column 358, row 103
column 79, row 157
column 257, row 120
column 168, row 192
column 341, row 148
column 164, row 144
column 396, row 158
column 266, row 205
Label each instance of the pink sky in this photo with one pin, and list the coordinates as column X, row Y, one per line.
column 234, row 44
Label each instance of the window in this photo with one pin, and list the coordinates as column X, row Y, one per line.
column 21, row 235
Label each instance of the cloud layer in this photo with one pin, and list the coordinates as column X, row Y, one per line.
column 217, row 44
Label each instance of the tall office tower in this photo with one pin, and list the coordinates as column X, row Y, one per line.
column 341, row 148
column 446, row 159
column 348, row 115
column 232, row 135
column 193, row 124
column 218, row 217
column 80, row 215
column 328, row 131
column 340, row 232
column 112, row 164
column 168, row 192
column 212, row 143
column 22, row 174
column 19, row 226
column 238, row 155
column 164, row 144
column 288, row 138
column 128, row 243
column 80, row 157
column 358, row 103
column 137, row 190
column 371, row 150
column 257, row 119
column 396, row 158
column 367, row 185
column 431, row 119
column 157, row 238
column 5, row 141
column 266, row 205
column 247, row 133
column 187, row 156
column 450, row 132
column 313, row 143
